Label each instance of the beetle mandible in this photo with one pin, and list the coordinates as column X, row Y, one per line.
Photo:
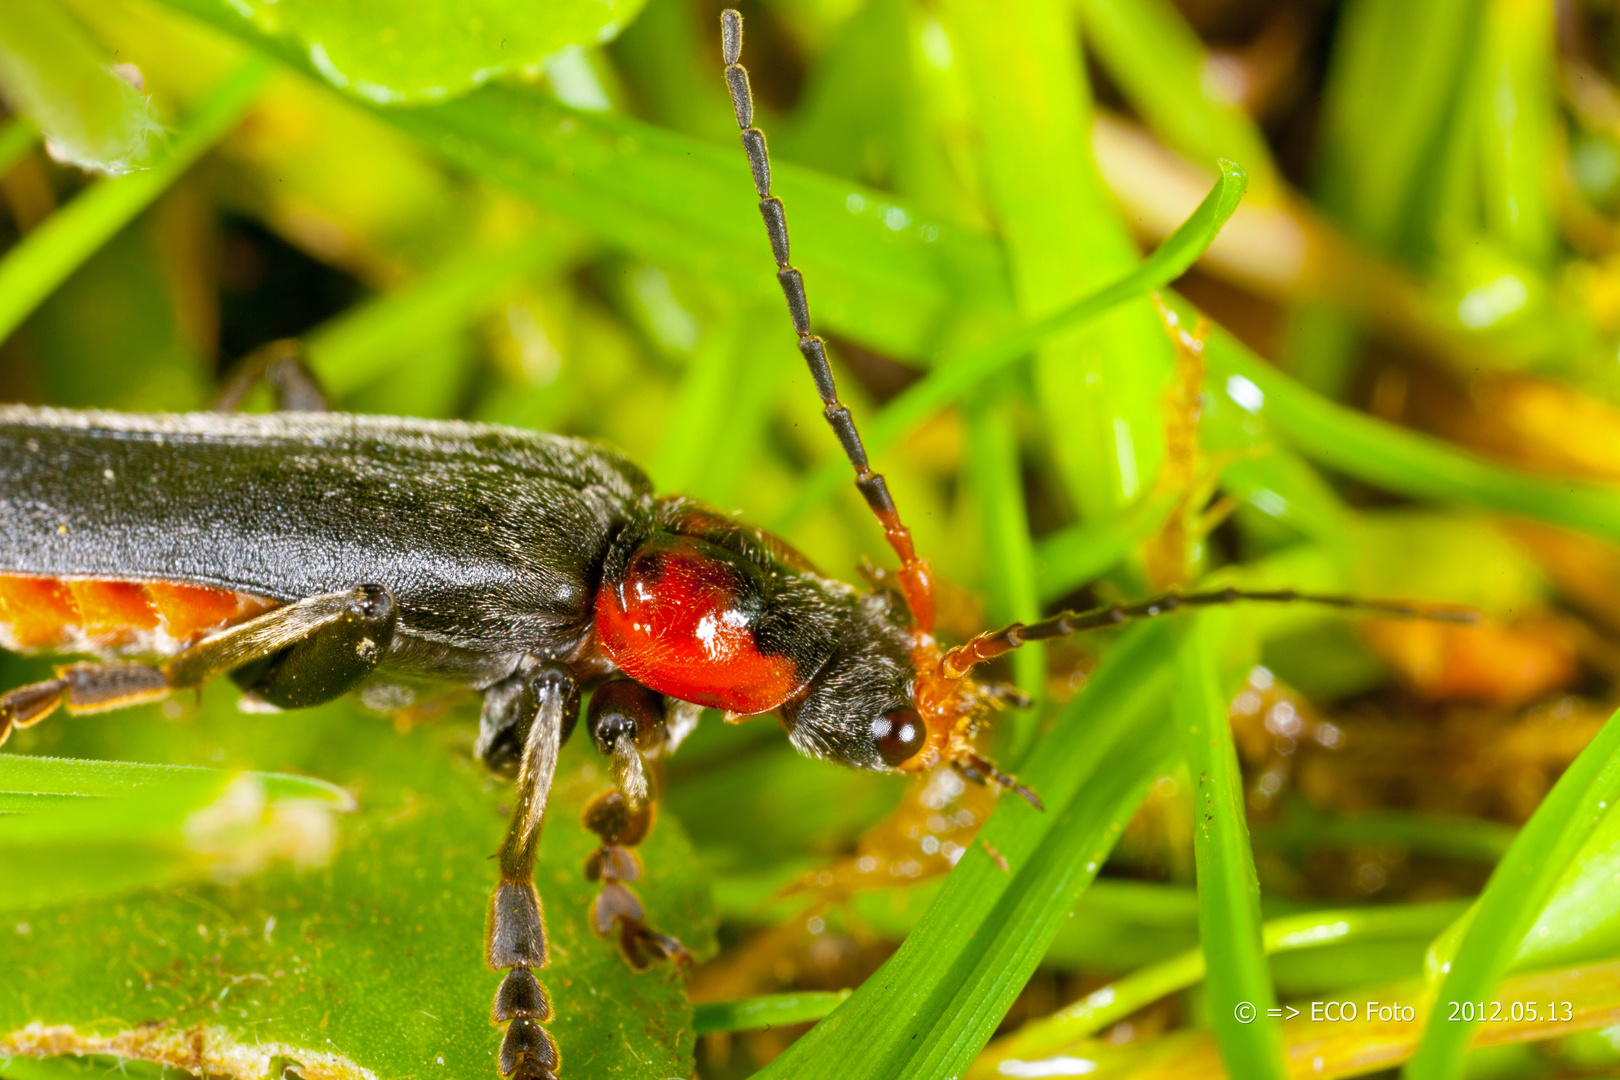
column 538, row 568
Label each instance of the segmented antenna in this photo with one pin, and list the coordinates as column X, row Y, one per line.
column 915, row 578
column 960, row 660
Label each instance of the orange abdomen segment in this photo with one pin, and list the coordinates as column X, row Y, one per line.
column 117, row 618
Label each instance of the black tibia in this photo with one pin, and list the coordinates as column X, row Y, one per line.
column 541, row 700
column 625, row 720
column 302, row 654
column 281, row 366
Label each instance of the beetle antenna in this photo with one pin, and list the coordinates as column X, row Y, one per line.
column 988, row 646
column 915, row 577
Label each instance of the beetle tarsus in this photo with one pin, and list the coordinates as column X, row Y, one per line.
column 626, row 719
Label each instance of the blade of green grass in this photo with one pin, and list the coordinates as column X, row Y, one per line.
column 765, row 1011
column 365, row 341
column 1449, row 836
column 683, row 202
column 1238, row 984
column 1515, row 895
column 958, row 376
column 713, row 372
column 995, row 475
column 74, row 829
column 1078, row 554
column 1097, row 386
column 1403, row 461
column 1161, row 66
column 1517, row 134
column 17, row 137
column 24, row 779
column 1396, row 72
column 932, row 1006
column 1104, row 1007
column 47, row 255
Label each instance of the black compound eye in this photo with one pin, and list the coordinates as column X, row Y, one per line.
column 898, row 735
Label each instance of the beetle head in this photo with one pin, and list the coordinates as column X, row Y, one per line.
column 883, row 702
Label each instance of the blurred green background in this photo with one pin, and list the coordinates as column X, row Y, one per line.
column 537, row 214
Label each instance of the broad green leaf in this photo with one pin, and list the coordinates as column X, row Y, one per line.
column 42, row 259
column 433, row 49
column 373, row 961
column 54, row 74
column 1238, row 983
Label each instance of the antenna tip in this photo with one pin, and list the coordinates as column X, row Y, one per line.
column 731, row 35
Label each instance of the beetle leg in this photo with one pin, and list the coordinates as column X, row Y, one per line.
column 625, row 717
column 305, row 653
column 301, row 654
column 28, row 705
column 544, row 695
column 281, row 366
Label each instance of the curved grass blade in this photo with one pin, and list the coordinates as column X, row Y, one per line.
column 955, row 378
column 45, row 257
column 1241, row 997
column 1518, row 890
column 931, row 1007
column 1104, row 1007
column 765, row 1011
column 1399, row 460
